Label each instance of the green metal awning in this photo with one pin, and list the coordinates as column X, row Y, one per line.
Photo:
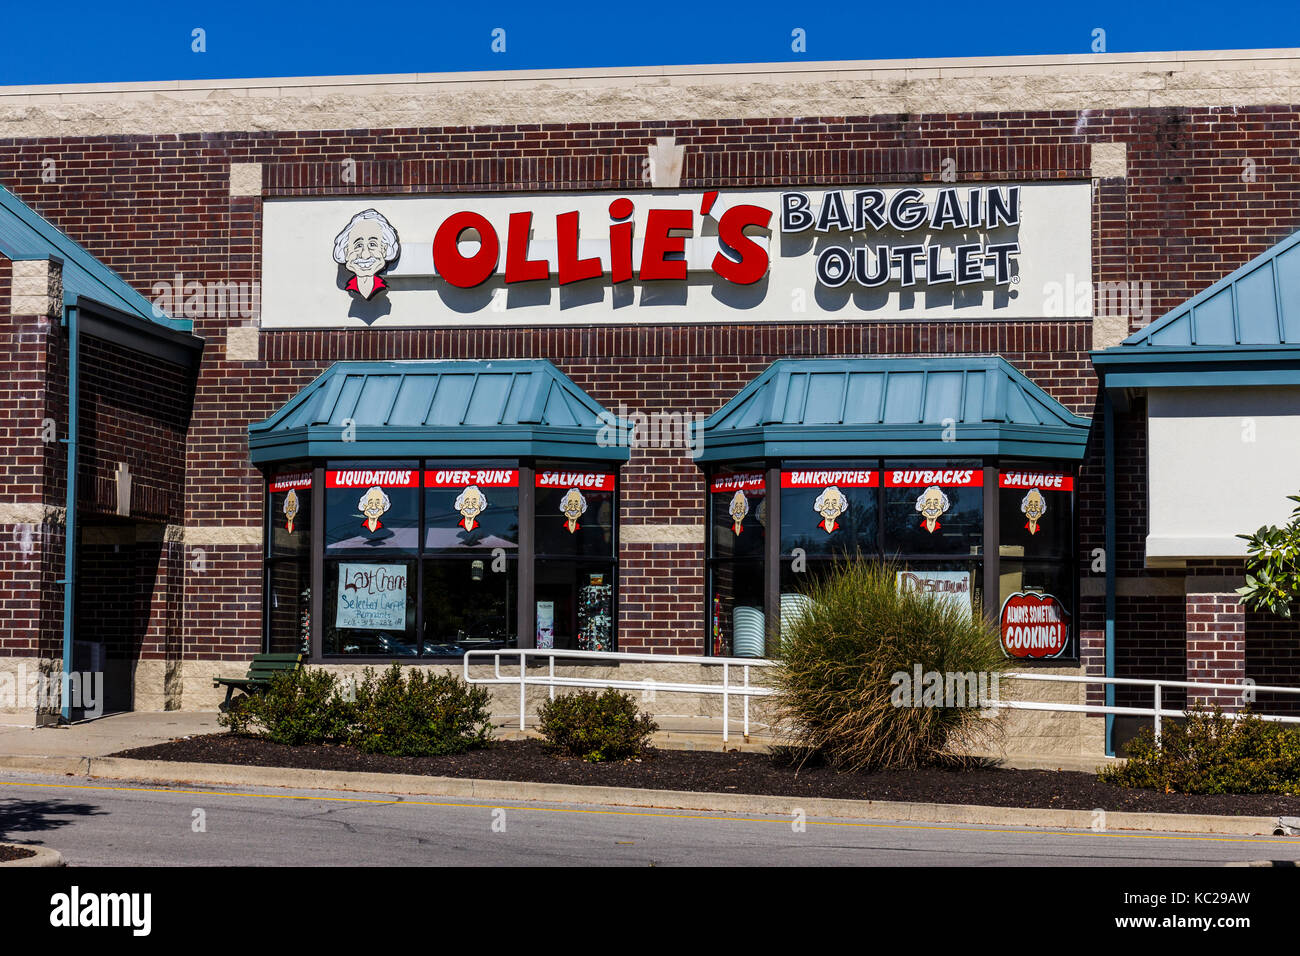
column 512, row 408
column 1243, row 330
column 900, row 407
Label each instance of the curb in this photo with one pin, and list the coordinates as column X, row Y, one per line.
column 44, row 857
column 200, row 774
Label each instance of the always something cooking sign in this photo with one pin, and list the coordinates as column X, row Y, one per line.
column 955, row 250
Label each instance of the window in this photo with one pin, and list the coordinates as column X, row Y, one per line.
column 928, row 516
column 288, row 562
column 372, row 508
column 737, row 549
column 471, row 544
column 574, row 568
column 933, row 508
column 1036, row 576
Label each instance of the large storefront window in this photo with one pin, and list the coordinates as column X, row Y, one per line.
column 422, row 559
column 288, row 562
column 574, row 518
column 926, row 515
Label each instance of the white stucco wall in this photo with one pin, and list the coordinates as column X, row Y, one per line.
column 1222, row 462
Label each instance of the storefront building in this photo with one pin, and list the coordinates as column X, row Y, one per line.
column 393, row 368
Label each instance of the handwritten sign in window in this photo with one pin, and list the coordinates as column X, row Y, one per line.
column 372, row 596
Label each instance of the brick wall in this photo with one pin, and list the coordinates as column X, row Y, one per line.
column 157, row 207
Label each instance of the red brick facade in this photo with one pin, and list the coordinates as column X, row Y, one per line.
column 158, row 207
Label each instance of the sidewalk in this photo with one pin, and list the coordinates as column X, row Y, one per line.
column 28, row 748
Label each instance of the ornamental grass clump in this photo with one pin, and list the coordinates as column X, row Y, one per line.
column 844, row 679
column 1211, row 753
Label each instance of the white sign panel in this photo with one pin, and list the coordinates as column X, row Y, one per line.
column 987, row 250
column 372, row 596
column 950, row 586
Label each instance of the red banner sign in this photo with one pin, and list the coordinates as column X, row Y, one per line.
column 462, row 477
column 1043, row 481
column 848, row 478
column 366, row 478
column 743, row 481
column 289, row 482
column 587, row 480
column 943, row 477
column 1034, row 626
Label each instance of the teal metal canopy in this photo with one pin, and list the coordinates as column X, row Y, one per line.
column 26, row 235
column 1243, row 330
column 511, row 408
column 898, row 407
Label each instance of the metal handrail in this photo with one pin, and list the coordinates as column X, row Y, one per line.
column 725, row 689
column 746, row 690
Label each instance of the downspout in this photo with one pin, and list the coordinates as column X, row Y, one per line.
column 1109, row 451
column 70, row 520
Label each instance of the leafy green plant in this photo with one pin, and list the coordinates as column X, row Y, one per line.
column 1211, row 753
column 837, row 681
column 1273, row 566
column 596, row 727
column 419, row 714
column 302, row 706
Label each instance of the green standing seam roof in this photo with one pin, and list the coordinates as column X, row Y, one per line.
column 900, row 407
column 1243, row 330
column 509, row 408
column 26, row 235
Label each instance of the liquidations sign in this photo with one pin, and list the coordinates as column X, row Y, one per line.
column 967, row 251
column 1034, row 625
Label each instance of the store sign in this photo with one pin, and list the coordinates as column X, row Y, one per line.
column 849, row 478
column 952, row 587
column 483, row 477
column 372, row 596
column 363, row 478
column 1034, row 625
column 291, row 482
column 588, row 480
column 985, row 250
column 746, row 481
column 1034, row 504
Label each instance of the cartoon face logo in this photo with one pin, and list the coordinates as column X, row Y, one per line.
column 373, row 504
column 932, row 504
column 573, row 507
column 470, row 503
column 738, row 508
column 365, row 247
column 830, row 504
column 1033, row 507
column 290, row 509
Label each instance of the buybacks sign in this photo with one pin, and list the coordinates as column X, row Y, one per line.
column 987, row 250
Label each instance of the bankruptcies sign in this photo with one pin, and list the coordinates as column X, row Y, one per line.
column 1034, row 625
column 672, row 256
column 862, row 478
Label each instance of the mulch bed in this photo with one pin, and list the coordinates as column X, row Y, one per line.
column 9, row 852
column 732, row 772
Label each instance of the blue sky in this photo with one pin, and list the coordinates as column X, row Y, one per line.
column 78, row 42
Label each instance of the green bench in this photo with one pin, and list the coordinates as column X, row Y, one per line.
column 260, row 672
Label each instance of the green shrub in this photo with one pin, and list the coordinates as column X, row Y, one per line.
column 1211, row 753
column 595, row 727
column 301, row 706
column 419, row 714
column 838, row 687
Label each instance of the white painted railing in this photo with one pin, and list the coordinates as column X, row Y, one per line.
column 725, row 688
column 728, row 666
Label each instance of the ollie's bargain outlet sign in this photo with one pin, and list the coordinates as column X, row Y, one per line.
column 944, row 251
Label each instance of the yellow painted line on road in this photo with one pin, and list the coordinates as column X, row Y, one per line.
column 396, row 800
